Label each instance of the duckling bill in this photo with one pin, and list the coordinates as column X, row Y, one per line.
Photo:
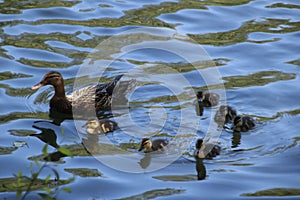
column 155, row 145
column 207, row 150
column 243, row 123
column 102, row 126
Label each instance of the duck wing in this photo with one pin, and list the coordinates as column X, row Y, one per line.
column 99, row 96
column 83, row 99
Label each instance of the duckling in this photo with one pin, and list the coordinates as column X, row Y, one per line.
column 87, row 99
column 207, row 150
column 96, row 126
column 155, row 145
column 225, row 114
column 208, row 99
column 243, row 123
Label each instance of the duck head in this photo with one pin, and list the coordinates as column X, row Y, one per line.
column 53, row 78
column 145, row 144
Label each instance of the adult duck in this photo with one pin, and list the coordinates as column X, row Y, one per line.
column 92, row 98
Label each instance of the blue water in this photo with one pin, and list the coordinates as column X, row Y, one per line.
column 255, row 49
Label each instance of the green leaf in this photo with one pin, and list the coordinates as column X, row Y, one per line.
column 19, row 193
column 44, row 196
column 19, row 177
column 68, row 190
column 65, row 151
column 34, row 175
column 45, row 150
column 48, row 190
column 47, row 179
column 36, row 162
column 19, row 173
column 8, row 187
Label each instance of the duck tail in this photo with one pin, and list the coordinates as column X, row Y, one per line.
column 111, row 86
column 124, row 87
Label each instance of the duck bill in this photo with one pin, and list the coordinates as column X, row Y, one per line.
column 141, row 148
column 37, row 86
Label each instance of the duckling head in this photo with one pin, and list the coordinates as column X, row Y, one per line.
column 199, row 143
column 92, row 126
column 237, row 124
column 145, row 144
column 51, row 78
column 199, row 153
column 199, row 95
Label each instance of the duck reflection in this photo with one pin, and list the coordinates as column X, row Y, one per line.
column 199, row 108
column 145, row 161
column 200, row 168
column 91, row 143
column 58, row 118
column 236, row 139
column 47, row 135
column 54, row 157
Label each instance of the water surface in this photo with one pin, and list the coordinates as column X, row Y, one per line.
column 254, row 46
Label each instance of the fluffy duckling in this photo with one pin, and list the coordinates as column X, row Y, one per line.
column 155, row 145
column 243, row 123
column 96, row 126
column 207, row 150
column 93, row 97
column 225, row 114
column 207, row 99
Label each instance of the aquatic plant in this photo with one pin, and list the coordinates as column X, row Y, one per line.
column 49, row 187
